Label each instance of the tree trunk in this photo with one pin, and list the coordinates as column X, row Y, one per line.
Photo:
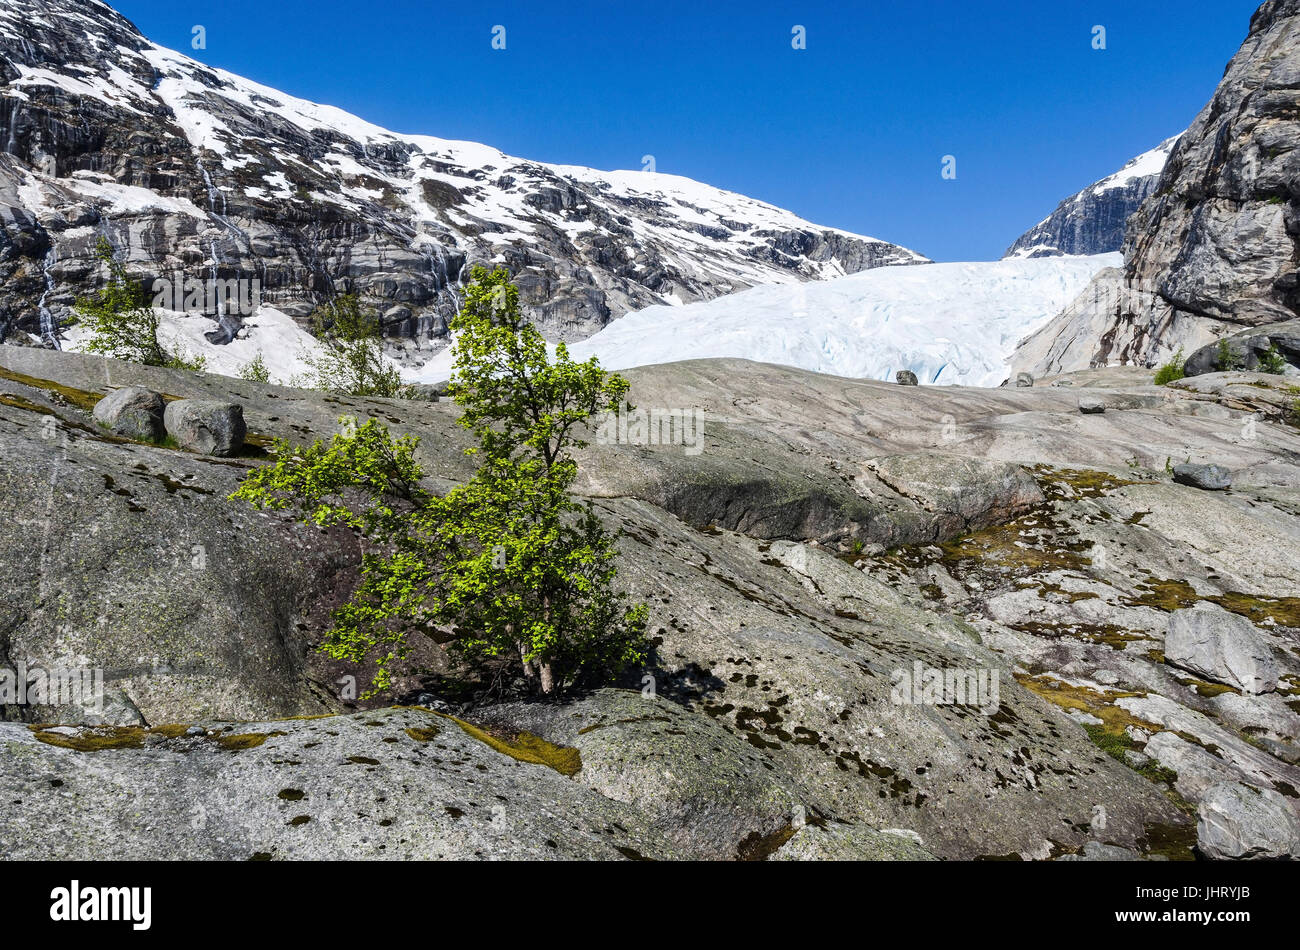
column 548, row 679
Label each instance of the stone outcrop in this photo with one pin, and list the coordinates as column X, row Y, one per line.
column 986, row 530
column 1237, row 821
column 1213, row 250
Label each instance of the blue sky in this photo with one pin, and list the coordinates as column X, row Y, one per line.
column 849, row 132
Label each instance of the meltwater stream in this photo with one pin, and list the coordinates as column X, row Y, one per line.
column 48, row 325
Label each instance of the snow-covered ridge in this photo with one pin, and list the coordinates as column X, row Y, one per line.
column 1093, row 220
column 1147, row 165
column 310, row 198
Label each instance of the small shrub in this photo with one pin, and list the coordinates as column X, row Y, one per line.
column 1172, row 370
column 1272, row 361
column 1227, row 359
column 255, row 370
column 351, row 360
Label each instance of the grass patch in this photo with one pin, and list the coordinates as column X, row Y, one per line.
column 526, row 747
column 81, row 398
column 1098, row 703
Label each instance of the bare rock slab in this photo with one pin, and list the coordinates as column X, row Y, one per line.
column 1223, row 646
column 1241, row 822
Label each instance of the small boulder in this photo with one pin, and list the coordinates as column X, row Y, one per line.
column 1223, row 646
column 208, row 427
column 905, row 377
column 424, row 392
column 132, row 412
column 1091, row 406
column 1241, row 822
column 1024, row 381
column 1205, row 477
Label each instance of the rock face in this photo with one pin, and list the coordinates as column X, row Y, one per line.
column 195, row 173
column 701, row 786
column 831, row 535
column 1236, row 821
column 1213, row 250
column 1093, row 221
column 209, row 427
column 395, row 784
column 1209, row 640
column 132, row 412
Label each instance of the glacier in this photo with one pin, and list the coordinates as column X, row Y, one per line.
column 948, row 323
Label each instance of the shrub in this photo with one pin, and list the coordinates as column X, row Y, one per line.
column 1227, row 359
column 1272, row 361
column 1172, row 370
column 255, row 370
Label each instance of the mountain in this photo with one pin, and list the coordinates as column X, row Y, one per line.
column 1214, row 250
column 1093, row 221
column 948, row 323
column 190, row 169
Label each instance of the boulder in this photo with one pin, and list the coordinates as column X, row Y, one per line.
column 1204, row 477
column 905, row 377
column 1242, row 822
column 132, row 412
column 1024, row 380
column 206, row 426
column 1091, row 405
column 424, row 391
column 1223, row 646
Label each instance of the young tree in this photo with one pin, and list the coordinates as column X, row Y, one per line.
column 122, row 322
column 518, row 570
column 351, row 361
column 255, row 370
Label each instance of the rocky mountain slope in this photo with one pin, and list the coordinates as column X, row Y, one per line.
column 1214, row 249
column 190, row 168
column 1093, row 221
column 832, row 536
